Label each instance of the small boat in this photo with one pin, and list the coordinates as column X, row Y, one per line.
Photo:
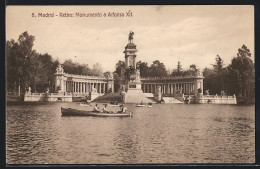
column 149, row 106
column 75, row 112
column 140, row 105
column 84, row 104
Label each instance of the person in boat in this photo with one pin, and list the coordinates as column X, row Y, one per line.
column 122, row 110
column 96, row 108
column 141, row 103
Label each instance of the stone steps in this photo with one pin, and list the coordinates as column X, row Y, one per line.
column 171, row 100
column 136, row 96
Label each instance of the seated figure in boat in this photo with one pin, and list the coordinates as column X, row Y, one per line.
column 122, row 109
column 96, row 108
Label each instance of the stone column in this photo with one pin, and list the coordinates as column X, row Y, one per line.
column 81, row 85
column 202, row 85
column 185, row 88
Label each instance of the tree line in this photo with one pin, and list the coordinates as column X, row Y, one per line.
column 237, row 78
column 26, row 67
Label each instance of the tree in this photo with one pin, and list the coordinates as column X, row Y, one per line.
column 179, row 67
column 178, row 71
column 120, row 66
column 21, row 60
column 193, row 67
column 242, row 68
column 119, row 74
column 219, row 63
column 26, row 67
column 157, row 69
column 210, row 81
column 97, row 69
column 144, row 69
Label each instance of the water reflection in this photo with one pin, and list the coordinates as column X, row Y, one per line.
column 167, row 133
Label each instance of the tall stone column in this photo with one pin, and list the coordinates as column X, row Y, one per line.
column 104, row 87
column 80, row 87
column 202, row 85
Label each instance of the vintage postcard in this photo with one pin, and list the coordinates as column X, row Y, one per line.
column 132, row 84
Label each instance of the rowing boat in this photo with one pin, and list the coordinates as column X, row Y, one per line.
column 140, row 105
column 75, row 112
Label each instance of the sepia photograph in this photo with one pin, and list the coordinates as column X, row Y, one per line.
column 130, row 84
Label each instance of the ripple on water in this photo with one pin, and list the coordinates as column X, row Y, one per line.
column 167, row 133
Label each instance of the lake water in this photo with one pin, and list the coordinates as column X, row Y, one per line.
column 36, row 133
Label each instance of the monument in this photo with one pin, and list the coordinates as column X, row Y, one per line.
column 133, row 90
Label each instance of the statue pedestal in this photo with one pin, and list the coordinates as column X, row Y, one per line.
column 135, row 94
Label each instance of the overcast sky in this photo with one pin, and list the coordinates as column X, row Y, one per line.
column 189, row 34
